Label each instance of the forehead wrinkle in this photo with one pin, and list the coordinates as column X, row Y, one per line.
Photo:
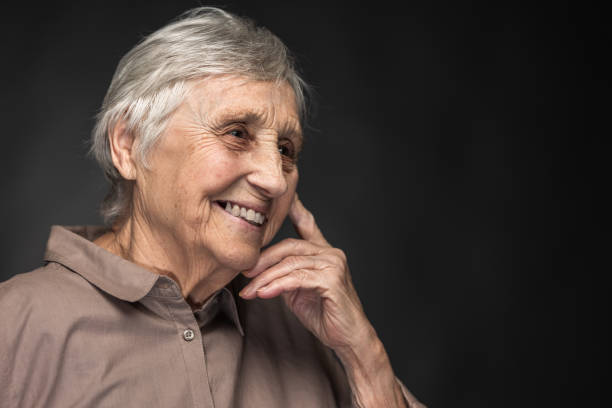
column 259, row 118
column 251, row 116
column 221, row 108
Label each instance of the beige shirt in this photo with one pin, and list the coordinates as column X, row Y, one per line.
column 90, row 329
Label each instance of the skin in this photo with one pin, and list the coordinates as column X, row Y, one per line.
column 237, row 140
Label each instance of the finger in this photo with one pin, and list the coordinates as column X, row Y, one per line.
column 300, row 279
column 278, row 252
column 286, row 266
column 304, row 223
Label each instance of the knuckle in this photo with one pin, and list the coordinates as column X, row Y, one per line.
column 308, row 220
column 301, row 275
column 291, row 260
column 338, row 257
column 340, row 254
column 291, row 241
column 307, row 214
column 294, row 243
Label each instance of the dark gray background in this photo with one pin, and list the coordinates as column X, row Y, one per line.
column 452, row 156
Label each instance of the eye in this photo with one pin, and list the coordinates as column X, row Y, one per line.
column 285, row 148
column 241, row 134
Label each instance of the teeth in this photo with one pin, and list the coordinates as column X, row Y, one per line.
column 247, row 214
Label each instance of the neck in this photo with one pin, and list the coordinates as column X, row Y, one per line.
column 195, row 271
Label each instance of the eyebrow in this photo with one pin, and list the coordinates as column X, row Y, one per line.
column 288, row 130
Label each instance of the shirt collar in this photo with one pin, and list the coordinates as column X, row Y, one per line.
column 73, row 248
column 222, row 301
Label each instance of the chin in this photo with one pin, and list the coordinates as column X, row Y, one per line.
column 239, row 258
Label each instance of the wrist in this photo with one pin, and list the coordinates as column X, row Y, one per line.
column 365, row 353
column 369, row 372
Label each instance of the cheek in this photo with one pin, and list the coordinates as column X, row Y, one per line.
column 281, row 208
column 284, row 202
column 211, row 174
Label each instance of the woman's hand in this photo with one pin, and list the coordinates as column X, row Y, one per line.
column 313, row 278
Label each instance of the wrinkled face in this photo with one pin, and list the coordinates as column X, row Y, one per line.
column 223, row 175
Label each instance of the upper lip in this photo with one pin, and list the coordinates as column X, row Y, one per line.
column 262, row 209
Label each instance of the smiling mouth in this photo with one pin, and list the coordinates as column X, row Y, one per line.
column 248, row 214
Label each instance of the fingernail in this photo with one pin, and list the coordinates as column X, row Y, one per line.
column 250, row 272
column 246, row 292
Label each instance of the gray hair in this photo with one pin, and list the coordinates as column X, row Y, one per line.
column 153, row 79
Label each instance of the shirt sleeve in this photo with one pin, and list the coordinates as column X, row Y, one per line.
column 410, row 400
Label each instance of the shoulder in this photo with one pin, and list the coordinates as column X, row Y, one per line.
column 46, row 286
column 40, row 312
column 39, row 279
column 42, row 299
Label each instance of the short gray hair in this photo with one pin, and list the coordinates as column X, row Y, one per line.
column 153, row 79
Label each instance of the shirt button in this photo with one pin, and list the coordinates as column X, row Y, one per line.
column 188, row 335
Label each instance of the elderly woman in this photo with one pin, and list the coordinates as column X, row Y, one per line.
column 176, row 304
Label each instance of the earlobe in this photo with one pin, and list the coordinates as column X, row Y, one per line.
column 121, row 142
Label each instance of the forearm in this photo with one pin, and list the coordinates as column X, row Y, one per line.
column 370, row 374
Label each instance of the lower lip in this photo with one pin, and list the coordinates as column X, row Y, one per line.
column 242, row 221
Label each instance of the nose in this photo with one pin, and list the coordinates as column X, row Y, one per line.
column 267, row 174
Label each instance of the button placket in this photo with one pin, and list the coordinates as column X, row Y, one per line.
column 190, row 346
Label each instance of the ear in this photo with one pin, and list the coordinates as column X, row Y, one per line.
column 121, row 144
